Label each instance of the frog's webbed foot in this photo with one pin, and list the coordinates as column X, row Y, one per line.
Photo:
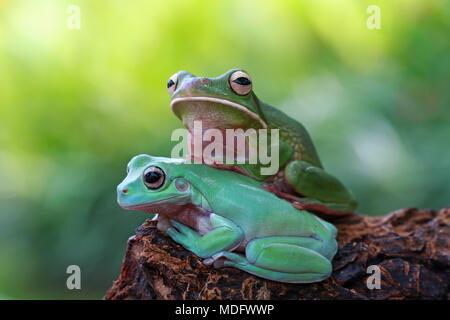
column 183, row 235
column 284, row 259
column 302, row 203
column 224, row 236
column 321, row 209
column 322, row 192
column 218, row 259
column 280, row 193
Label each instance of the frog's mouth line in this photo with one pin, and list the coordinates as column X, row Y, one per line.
column 234, row 105
column 150, row 207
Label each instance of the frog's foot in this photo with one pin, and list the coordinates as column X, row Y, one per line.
column 322, row 209
column 322, row 192
column 224, row 236
column 279, row 193
column 218, row 259
column 302, row 203
column 279, row 261
column 183, row 235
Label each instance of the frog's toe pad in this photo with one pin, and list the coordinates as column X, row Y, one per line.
column 219, row 263
column 215, row 257
column 208, row 261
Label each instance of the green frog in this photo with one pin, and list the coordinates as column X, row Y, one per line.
column 202, row 208
column 228, row 101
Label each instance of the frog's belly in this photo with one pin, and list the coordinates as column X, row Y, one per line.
column 189, row 215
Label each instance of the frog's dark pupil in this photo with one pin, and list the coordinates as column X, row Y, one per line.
column 242, row 81
column 170, row 83
column 152, row 177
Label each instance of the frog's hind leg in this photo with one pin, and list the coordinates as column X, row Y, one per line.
column 322, row 191
column 283, row 259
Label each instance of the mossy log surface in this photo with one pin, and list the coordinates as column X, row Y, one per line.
column 410, row 247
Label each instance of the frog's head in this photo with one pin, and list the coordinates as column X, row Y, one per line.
column 152, row 185
column 225, row 102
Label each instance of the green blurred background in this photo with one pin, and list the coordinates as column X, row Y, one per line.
column 76, row 105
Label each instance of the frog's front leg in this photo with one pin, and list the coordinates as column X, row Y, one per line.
column 284, row 259
column 323, row 191
column 224, row 236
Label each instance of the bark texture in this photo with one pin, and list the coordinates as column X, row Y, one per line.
column 410, row 247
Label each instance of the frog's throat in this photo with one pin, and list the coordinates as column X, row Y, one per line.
column 234, row 105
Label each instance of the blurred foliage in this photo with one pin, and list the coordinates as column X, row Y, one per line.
column 76, row 105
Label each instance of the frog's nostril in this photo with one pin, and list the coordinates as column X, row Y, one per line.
column 124, row 190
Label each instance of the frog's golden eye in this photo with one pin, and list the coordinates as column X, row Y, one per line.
column 240, row 83
column 172, row 83
column 154, row 177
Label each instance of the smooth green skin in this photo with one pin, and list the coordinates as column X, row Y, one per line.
column 281, row 243
column 303, row 170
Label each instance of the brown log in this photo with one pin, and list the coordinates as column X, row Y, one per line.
column 410, row 246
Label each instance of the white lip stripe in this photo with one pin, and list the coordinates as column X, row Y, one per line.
column 221, row 101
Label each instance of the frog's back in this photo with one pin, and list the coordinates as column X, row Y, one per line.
column 258, row 212
column 277, row 217
column 292, row 132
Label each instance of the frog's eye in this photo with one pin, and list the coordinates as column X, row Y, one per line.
column 128, row 169
column 154, row 177
column 172, row 83
column 240, row 83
